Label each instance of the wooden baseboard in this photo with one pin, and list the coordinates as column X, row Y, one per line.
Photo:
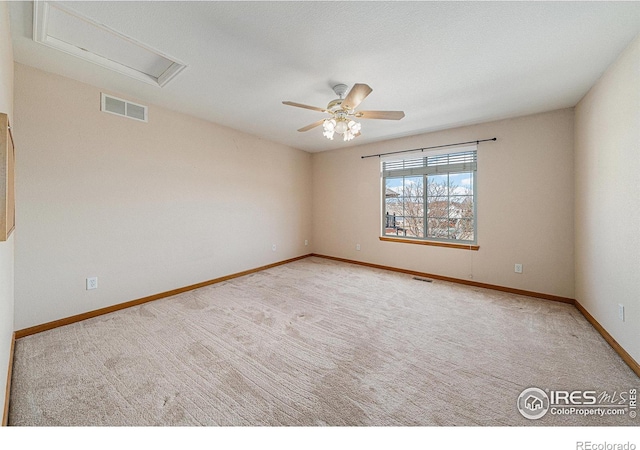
column 109, row 309
column 7, row 396
column 554, row 298
column 626, row 357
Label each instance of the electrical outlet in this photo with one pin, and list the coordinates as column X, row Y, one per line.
column 518, row 268
column 358, row 247
column 621, row 312
column 273, row 247
column 92, row 283
column 306, row 242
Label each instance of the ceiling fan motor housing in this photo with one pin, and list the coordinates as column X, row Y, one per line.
column 335, row 105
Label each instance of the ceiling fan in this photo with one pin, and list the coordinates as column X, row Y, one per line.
column 342, row 112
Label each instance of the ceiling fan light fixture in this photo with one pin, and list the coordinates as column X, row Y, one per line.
column 341, row 126
column 355, row 127
column 353, row 130
column 329, row 126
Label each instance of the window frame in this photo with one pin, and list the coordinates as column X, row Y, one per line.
column 426, row 240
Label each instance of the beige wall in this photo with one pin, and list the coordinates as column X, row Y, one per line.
column 6, row 248
column 525, row 205
column 607, row 215
column 145, row 207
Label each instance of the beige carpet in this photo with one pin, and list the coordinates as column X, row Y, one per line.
column 315, row 342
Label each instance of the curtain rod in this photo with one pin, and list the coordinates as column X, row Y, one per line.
column 428, row 148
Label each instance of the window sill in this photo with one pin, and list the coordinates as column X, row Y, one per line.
column 433, row 243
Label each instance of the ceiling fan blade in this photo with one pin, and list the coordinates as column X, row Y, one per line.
column 300, row 105
column 313, row 125
column 388, row 115
column 355, row 96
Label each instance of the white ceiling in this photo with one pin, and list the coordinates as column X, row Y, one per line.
column 445, row 64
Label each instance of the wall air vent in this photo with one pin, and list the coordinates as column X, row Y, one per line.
column 67, row 30
column 115, row 105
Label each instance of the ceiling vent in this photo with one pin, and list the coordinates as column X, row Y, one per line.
column 115, row 105
column 66, row 30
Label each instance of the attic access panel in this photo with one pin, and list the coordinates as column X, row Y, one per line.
column 66, row 30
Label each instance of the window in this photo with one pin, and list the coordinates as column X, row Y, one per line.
column 431, row 198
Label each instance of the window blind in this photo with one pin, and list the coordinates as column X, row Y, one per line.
column 428, row 165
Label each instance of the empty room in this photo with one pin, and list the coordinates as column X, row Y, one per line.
column 301, row 214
